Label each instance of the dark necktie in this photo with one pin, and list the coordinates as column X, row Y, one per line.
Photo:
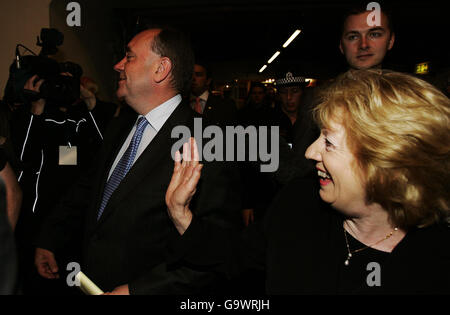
column 124, row 164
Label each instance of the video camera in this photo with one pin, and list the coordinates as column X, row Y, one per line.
column 57, row 89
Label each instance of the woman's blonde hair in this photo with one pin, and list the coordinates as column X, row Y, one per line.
column 398, row 128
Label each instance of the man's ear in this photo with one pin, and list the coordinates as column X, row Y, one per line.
column 340, row 47
column 163, row 70
column 391, row 41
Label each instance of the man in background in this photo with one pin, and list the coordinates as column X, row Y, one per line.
column 365, row 46
column 215, row 109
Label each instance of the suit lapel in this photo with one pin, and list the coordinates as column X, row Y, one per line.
column 157, row 151
column 123, row 129
column 111, row 147
column 210, row 103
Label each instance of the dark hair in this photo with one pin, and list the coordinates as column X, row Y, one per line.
column 257, row 85
column 205, row 65
column 176, row 46
column 361, row 7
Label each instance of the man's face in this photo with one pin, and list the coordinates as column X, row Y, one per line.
column 257, row 95
column 365, row 46
column 137, row 69
column 290, row 98
column 200, row 82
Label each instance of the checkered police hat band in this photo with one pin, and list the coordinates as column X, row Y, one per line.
column 289, row 79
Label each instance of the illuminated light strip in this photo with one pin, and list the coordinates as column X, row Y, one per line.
column 293, row 36
column 275, row 55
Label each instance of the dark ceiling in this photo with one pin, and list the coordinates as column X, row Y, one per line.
column 237, row 37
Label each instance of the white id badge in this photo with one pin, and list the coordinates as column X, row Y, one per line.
column 67, row 155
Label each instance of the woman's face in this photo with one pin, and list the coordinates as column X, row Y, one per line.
column 340, row 185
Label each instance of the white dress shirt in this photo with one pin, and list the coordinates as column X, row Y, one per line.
column 156, row 119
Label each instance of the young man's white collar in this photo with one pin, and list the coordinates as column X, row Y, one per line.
column 204, row 96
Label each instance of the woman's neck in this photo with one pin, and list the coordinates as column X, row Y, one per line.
column 373, row 228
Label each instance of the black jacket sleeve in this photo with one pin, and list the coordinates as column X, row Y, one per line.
column 66, row 221
column 217, row 204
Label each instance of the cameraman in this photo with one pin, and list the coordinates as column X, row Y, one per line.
column 55, row 142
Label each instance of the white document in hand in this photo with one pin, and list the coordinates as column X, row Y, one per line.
column 87, row 286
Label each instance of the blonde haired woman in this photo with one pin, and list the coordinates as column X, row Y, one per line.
column 383, row 161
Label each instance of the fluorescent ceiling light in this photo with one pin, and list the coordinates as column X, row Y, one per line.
column 293, row 36
column 262, row 68
column 275, row 55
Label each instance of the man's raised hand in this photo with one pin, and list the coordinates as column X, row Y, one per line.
column 182, row 187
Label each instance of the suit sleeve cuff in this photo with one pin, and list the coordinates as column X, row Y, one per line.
column 182, row 246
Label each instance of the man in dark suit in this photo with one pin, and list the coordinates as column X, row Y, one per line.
column 215, row 109
column 126, row 226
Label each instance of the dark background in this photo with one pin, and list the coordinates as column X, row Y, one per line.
column 236, row 38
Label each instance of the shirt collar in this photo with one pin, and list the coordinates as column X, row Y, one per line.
column 158, row 116
column 203, row 96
